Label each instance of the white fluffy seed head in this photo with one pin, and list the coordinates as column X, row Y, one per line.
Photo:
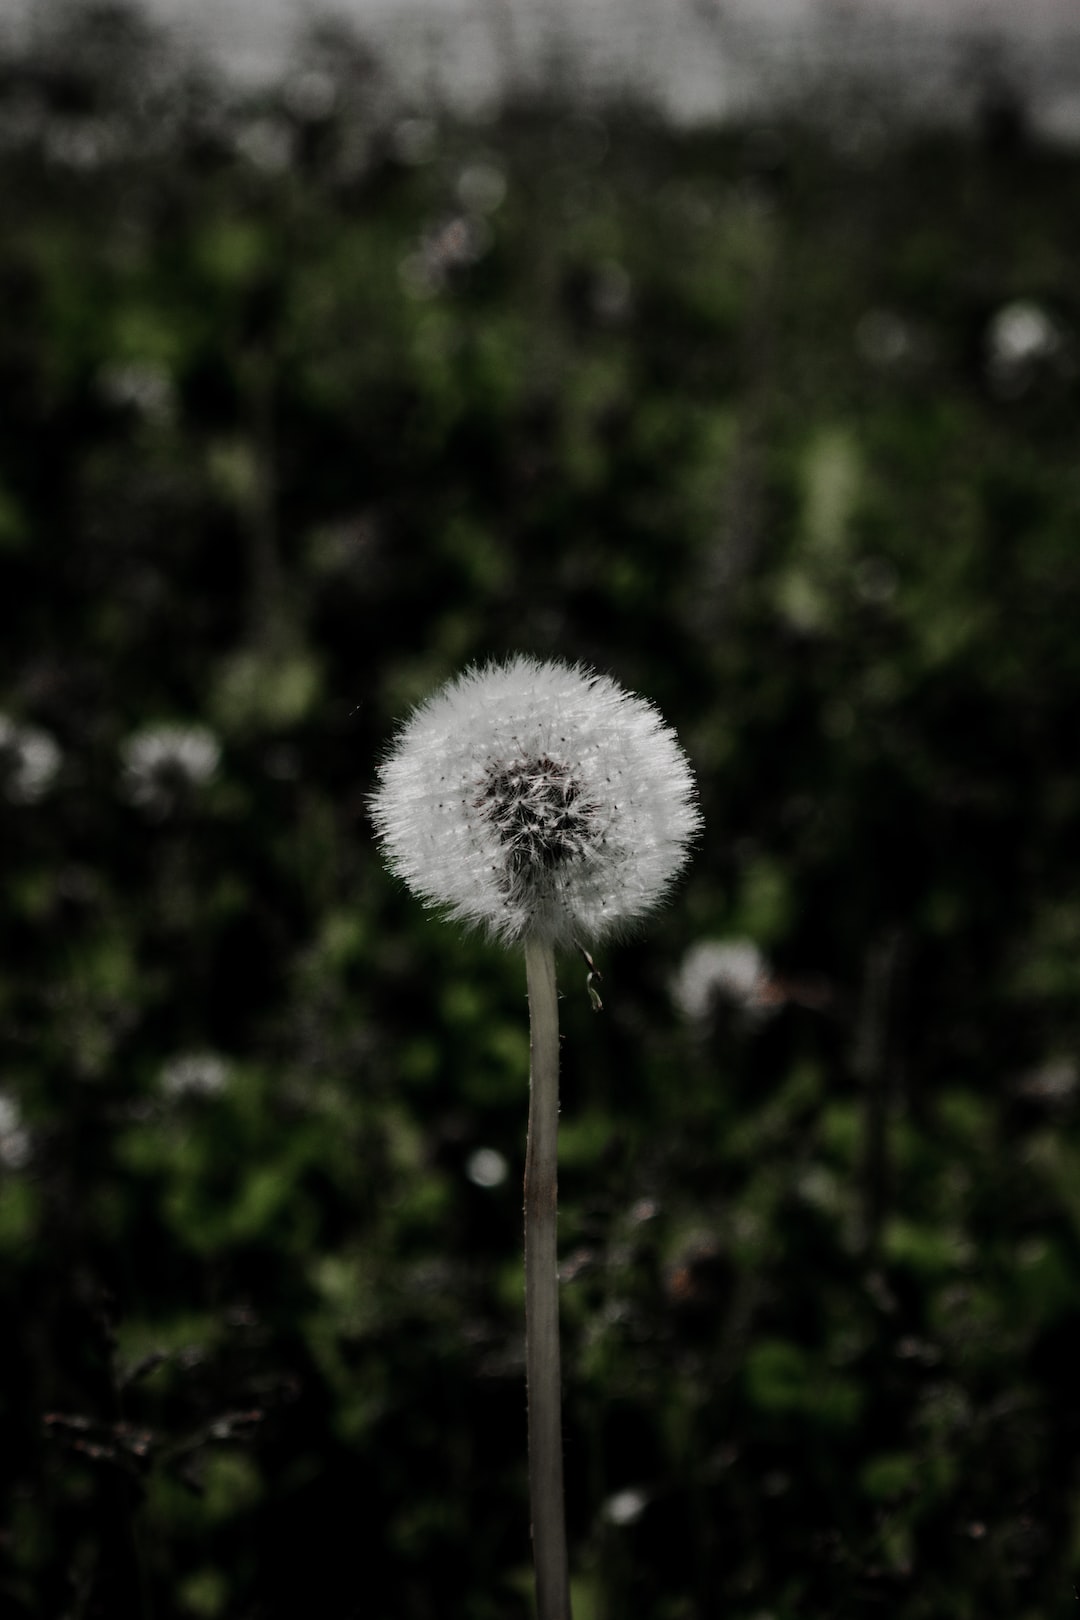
column 536, row 799
column 715, row 971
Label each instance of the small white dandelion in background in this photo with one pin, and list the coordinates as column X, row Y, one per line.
column 29, row 761
column 625, row 1507
column 139, row 385
column 1055, row 1081
column 15, row 1144
column 486, row 1168
column 718, row 971
column 537, row 799
column 193, row 1074
column 164, row 764
column 1022, row 338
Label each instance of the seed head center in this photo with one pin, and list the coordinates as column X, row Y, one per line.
column 538, row 812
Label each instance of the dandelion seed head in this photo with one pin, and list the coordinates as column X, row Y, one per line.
column 1023, row 341
column 29, row 761
column 714, row 971
column 194, row 1074
column 16, row 1148
column 164, row 763
column 625, row 1507
column 536, row 798
column 486, row 1168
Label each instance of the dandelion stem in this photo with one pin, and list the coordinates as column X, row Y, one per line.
column 542, row 1289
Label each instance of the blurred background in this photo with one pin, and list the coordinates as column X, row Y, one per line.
column 735, row 352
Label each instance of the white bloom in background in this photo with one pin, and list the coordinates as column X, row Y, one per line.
column 536, row 799
column 1055, row 1081
column 15, row 1146
column 141, row 385
column 163, row 763
column 194, row 1074
column 29, row 761
column 486, row 1168
column 715, row 970
column 1020, row 339
column 625, row 1507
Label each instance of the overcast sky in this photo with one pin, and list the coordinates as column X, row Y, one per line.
column 695, row 56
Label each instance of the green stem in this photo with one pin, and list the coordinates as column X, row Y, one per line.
column 542, row 1290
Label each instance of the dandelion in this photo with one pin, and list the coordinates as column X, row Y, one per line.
column 163, row 764
column 15, row 1146
column 486, row 1168
column 194, row 1074
column 538, row 800
column 544, row 803
column 715, row 971
column 1022, row 339
column 141, row 386
column 625, row 1507
column 29, row 761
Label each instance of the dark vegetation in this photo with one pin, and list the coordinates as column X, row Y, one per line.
column 304, row 406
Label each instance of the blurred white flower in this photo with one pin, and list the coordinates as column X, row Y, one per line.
column 625, row 1507
column 1055, row 1081
column 721, row 970
column 1020, row 338
column 141, row 385
column 194, row 1074
column 15, row 1146
column 536, row 799
column 164, row 763
column 486, row 1168
column 29, row 761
